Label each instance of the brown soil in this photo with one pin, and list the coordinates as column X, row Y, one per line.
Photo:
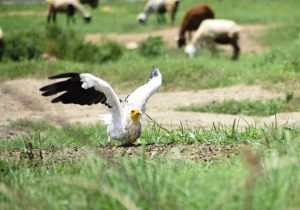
column 248, row 38
column 196, row 152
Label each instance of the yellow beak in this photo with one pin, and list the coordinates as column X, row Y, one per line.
column 135, row 113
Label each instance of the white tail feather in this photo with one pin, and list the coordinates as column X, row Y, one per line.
column 106, row 118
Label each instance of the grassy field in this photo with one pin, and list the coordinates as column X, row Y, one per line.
column 279, row 64
column 266, row 179
column 248, row 107
column 264, row 173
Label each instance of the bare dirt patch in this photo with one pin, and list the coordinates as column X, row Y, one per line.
column 196, row 152
column 248, row 39
column 21, row 99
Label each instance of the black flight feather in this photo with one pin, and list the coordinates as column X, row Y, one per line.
column 73, row 93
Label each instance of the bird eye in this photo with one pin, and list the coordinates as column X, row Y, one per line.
column 132, row 111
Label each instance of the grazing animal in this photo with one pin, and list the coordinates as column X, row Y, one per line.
column 213, row 31
column 66, row 6
column 124, row 121
column 2, row 44
column 192, row 20
column 160, row 7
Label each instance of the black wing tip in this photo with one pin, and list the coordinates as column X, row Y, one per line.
column 154, row 73
column 43, row 89
column 64, row 75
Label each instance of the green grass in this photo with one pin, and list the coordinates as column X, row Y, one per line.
column 279, row 64
column 44, row 135
column 245, row 11
column 247, row 107
column 276, row 66
column 92, row 182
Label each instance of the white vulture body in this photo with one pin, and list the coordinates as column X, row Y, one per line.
column 124, row 121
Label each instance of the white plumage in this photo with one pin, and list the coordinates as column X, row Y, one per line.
column 124, row 121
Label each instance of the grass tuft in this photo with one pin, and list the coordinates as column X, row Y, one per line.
column 247, row 107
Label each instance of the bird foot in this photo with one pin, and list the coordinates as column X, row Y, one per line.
column 127, row 145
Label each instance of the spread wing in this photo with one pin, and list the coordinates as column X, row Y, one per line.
column 73, row 91
column 141, row 95
column 84, row 89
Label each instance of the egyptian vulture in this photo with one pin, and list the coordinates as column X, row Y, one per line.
column 124, row 121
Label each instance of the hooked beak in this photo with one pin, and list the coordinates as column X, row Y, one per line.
column 135, row 114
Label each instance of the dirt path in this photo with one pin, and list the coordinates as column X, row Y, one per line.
column 248, row 38
column 196, row 152
column 21, row 99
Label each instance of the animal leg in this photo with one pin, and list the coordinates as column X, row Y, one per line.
column 70, row 13
column 50, row 12
column 174, row 11
column 173, row 17
column 236, row 49
column 54, row 17
column 109, row 144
